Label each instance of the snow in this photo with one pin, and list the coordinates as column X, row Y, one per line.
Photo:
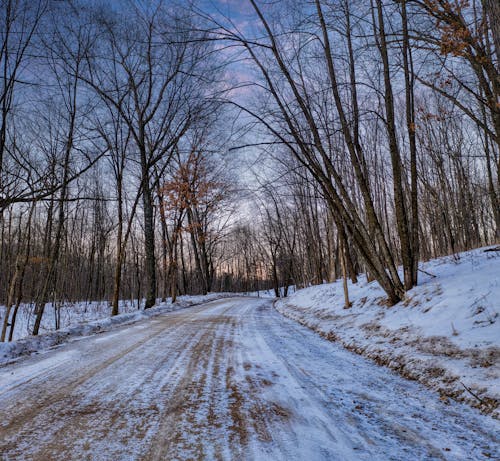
column 232, row 379
column 75, row 313
column 83, row 319
column 268, row 293
column 445, row 334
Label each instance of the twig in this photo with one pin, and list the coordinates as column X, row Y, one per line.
column 428, row 273
column 474, row 395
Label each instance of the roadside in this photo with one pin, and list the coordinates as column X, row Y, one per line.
column 11, row 351
column 446, row 334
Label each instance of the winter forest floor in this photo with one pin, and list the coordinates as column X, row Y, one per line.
column 232, row 379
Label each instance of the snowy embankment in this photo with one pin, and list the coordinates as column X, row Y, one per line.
column 445, row 334
column 83, row 319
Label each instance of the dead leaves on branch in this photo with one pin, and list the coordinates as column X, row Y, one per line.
column 191, row 187
column 458, row 38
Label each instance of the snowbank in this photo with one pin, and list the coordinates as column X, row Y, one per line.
column 445, row 334
column 10, row 351
column 70, row 314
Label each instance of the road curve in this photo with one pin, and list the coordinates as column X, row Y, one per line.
column 231, row 379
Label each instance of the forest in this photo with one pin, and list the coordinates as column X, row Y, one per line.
column 150, row 149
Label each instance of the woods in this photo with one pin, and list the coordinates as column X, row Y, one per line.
column 154, row 149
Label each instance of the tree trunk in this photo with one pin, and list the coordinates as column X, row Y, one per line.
column 411, row 128
column 397, row 168
column 492, row 8
column 149, row 235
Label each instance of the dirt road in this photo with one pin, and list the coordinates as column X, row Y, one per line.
column 231, row 379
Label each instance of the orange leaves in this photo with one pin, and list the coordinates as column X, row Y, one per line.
column 445, row 82
column 187, row 186
column 430, row 116
column 447, row 6
column 191, row 187
column 178, row 192
column 37, row 260
column 426, row 116
column 456, row 37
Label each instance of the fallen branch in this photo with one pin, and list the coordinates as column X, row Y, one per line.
column 428, row 273
column 474, row 395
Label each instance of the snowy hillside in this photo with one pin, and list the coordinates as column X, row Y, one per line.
column 446, row 333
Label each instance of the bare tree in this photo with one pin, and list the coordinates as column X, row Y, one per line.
column 149, row 80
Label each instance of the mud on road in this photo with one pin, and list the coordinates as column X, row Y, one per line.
column 231, row 379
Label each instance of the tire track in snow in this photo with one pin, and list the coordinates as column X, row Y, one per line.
column 228, row 380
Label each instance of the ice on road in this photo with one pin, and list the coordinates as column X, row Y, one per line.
column 231, row 379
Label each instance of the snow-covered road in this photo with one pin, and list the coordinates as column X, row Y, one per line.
column 231, row 379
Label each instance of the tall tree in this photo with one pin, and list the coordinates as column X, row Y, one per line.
column 146, row 68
